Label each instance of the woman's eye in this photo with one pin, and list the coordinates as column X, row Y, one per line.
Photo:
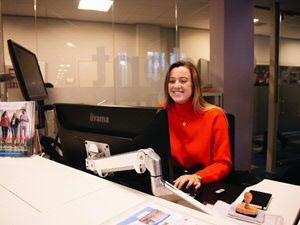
column 171, row 81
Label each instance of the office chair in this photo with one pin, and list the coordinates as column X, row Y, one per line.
column 232, row 176
column 240, row 178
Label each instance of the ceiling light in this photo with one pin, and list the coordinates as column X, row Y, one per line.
column 255, row 20
column 98, row 5
column 71, row 45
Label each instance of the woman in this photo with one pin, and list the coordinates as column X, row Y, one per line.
column 198, row 130
column 14, row 123
column 4, row 126
column 24, row 120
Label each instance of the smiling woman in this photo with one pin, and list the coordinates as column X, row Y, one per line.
column 198, row 130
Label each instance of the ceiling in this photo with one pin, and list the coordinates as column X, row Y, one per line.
column 191, row 13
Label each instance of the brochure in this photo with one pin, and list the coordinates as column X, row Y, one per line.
column 17, row 128
column 153, row 214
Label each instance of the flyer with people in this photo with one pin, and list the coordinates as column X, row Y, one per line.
column 17, row 128
column 153, row 214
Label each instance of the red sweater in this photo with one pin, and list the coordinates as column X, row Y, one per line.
column 203, row 142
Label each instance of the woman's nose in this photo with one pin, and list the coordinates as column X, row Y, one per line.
column 177, row 84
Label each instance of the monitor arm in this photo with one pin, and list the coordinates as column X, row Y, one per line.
column 140, row 160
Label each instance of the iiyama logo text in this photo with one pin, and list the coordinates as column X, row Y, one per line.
column 99, row 119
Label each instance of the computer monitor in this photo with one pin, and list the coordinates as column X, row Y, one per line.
column 29, row 77
column 123, row 128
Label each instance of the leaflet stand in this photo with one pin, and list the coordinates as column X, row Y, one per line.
column 36, row 143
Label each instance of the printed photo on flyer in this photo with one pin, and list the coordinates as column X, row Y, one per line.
column 17, row 128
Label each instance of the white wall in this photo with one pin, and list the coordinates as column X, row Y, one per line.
column 289, row 51
column 195, row 43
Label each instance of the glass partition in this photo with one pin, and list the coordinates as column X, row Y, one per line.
column 114, row 57
column 288, row 130
column 288, row 135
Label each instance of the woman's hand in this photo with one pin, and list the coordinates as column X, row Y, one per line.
column 189, row 180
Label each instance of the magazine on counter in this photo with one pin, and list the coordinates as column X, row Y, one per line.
column 17, row 128
column 154, row 214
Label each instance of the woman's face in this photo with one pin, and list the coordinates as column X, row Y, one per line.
column 180, row 85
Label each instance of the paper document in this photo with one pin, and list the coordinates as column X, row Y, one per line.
column 153, row 214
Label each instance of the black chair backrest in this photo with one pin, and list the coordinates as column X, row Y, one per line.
column 231, row 131
column 231, row 178
column 240, row 178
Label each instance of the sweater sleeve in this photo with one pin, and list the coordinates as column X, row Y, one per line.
column 220, row 150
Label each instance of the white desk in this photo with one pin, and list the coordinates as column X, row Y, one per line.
column 39, row 191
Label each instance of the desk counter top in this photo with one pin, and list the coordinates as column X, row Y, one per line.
column 36, row 190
